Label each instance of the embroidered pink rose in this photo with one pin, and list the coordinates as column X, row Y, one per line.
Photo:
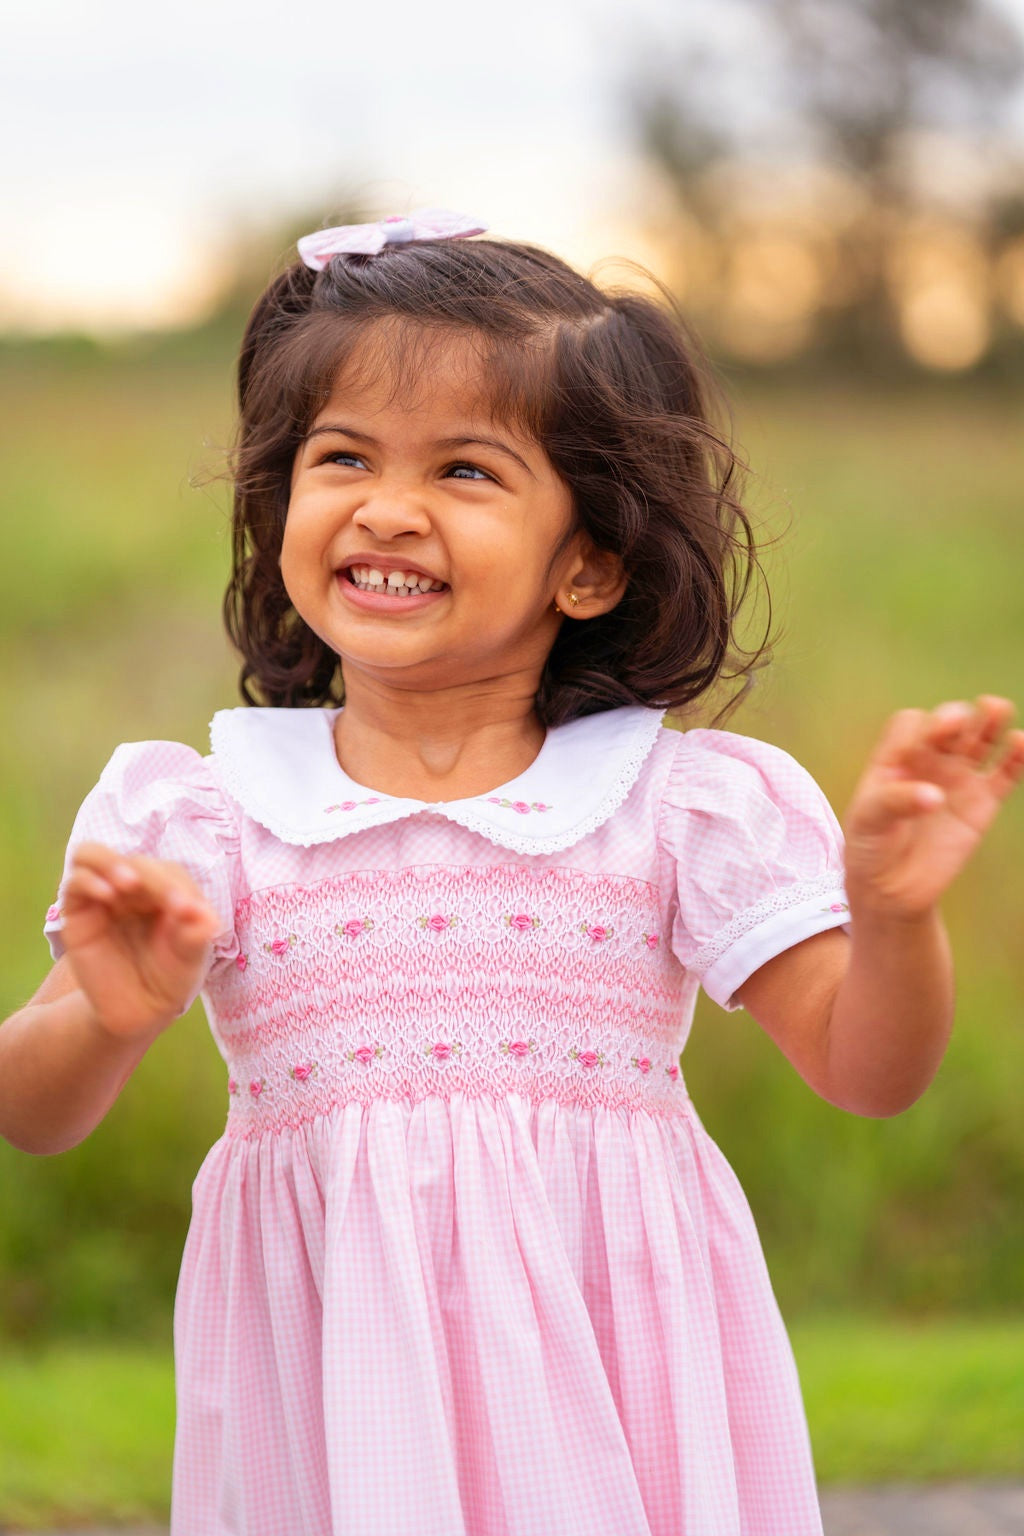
column 441, row 1050
column 673, row 1071
column 519, row 1048
column 52, row 913
column 587, row 1058
column 364, row 1054
column 232, row 1085
column 347, row 805
column 642, row 1064
column 651, row 940
column 354, row 927
column 302, row 1070
column 256, row 1087
column 437, row 922
column 241, row 961
column 520, row 806
column 597, row 931
column 839, row 906
column 521, row 921
column 280, row 946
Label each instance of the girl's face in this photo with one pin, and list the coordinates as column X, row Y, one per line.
column 416, row 483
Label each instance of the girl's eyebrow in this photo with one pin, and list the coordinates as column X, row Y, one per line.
column 442, row 442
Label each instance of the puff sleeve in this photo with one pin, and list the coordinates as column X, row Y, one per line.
column 755, row 857
column 161, row 798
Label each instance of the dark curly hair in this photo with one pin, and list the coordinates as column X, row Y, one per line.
column 613, row 385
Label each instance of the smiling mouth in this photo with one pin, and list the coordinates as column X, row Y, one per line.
column 398, row 583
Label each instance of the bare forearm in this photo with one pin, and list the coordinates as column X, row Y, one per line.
column 892, row 1016
column 60, row 1072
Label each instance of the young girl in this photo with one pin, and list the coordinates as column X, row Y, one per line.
column 465, row 1261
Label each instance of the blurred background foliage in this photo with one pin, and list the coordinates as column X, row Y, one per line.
column 856, row 265
column 866, row 209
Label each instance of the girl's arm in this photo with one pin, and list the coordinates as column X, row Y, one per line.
column 60, row 1070
column 136, row 933
column 866, row 1020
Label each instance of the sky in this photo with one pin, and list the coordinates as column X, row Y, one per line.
column 142, row 142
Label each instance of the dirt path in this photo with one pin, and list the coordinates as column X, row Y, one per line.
column 949, row 1509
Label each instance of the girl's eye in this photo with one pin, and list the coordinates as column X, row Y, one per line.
column 335, row 458
column 473, row 469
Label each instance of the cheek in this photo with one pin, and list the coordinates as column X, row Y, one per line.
column 298, row 559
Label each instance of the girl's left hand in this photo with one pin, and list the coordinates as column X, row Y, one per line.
column 931, row 788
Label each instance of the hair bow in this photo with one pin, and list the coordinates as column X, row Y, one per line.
column 317, row 249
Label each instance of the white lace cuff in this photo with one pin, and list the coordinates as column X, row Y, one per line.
column 763, row 931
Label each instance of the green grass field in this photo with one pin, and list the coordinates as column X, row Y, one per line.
column 86, row 1432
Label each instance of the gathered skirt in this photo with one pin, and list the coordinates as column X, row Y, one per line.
column 482, row 1317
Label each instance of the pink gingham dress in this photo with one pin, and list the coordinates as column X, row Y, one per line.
column 465, row 1261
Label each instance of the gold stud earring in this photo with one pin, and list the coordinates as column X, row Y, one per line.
column 574, row 601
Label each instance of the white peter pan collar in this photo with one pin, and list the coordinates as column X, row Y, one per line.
column 281, row 767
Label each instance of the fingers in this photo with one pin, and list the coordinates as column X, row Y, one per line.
column 135, row 884
column 1008, row 772
column 893, row 800
column 956, row 728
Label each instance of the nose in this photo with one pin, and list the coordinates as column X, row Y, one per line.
column 390, row 512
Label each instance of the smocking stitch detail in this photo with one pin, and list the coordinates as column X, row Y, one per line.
column 440, row 979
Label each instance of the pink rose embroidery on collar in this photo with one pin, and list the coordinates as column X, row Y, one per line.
column 521, row 806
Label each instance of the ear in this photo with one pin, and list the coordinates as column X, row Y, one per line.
column 596, row 577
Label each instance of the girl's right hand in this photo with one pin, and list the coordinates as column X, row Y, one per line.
column 135, row 932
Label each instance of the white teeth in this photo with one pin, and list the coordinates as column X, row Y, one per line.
column 396, row 584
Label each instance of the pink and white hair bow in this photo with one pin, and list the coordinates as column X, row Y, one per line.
column 317, row 249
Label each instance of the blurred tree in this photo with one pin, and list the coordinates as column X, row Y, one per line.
column 882, row 92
